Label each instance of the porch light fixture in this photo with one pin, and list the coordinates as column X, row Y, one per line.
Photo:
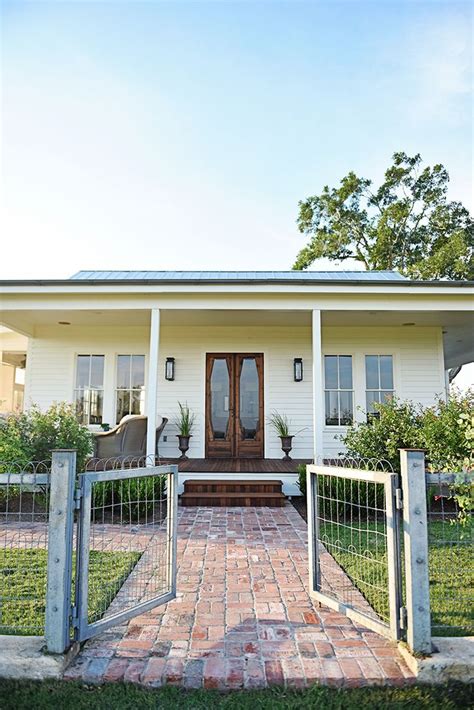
column 169, row 368
column 298, row 369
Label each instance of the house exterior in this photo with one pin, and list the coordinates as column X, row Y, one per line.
column 319, row 347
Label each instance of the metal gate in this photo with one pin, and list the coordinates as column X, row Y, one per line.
column 354, row 544
column 125, row 545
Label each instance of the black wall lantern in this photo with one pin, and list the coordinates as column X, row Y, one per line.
column 298, row 369
column 169, row 368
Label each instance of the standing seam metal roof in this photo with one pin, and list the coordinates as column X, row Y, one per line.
column 238, row 276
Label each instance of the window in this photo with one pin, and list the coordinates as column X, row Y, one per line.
column 378, row 381
column 130, row 390
column 89, row 391
column 338, row 390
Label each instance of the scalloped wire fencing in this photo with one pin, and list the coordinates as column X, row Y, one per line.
column 126, row 554
column 354, row 536
column 24, row 516
column 450, row 555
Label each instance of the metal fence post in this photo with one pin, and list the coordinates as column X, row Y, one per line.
column 60, row 543
column 415, row 537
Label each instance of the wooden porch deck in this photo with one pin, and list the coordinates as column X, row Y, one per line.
column 237, row 465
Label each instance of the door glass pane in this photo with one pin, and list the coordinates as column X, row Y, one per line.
column 138, row 371
column 386, row 372
column 345, row 372
column 97, row 371
column 372, row 372
column 249, row 396
column 123, row 371
column 220, row 390
column 330, row 372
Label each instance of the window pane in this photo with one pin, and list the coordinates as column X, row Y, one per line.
column 345, row 408
column 97, row 371
column 123, row 404
column 386, row 396
column 138, row 371
column 95, row 407
column 345, row 372
column 332, row 410
column 82, row 371
column 372, row 397
column 372, row 372
column 386, row 372
column 81, row 412
column 123, row 371
column 136, row 402
column 330, row 372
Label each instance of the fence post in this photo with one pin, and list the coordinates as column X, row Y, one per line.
column 60, row 543
column 415, row 538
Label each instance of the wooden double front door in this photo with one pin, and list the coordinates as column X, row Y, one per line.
column 234, row 405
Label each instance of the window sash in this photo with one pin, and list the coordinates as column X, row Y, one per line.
column 383, row 384
column 130, row 386
column 89, row 389
column 339, row 398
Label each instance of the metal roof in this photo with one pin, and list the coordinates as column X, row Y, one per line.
column 238, row 276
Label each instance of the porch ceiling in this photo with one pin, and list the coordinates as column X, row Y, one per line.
column 458, row 326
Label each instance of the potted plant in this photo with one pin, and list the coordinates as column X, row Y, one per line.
column 281, row 424
column 184, row 423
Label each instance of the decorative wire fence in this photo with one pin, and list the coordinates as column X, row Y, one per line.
column 351, row 524
column 24, row 514
column 128, row 543
column 451, row 558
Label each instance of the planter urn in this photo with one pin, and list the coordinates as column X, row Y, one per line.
column 286, row 445
column 183, row 445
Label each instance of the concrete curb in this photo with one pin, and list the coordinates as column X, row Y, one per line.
column 452, row 659
column 25, row 658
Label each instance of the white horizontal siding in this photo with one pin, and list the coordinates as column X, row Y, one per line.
column 418, row 364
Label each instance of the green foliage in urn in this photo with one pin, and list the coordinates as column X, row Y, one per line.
column 184, row 422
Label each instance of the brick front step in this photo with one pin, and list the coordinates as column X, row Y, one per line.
column 233, row 494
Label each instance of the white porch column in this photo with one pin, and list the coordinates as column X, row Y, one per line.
column 318, row 392
column 152, row 383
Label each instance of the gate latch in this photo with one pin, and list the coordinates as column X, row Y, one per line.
column 403, row 617
column 398, row 499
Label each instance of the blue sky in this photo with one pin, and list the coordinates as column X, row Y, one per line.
column 183, row 134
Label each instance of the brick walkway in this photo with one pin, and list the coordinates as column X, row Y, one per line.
column 243, row 617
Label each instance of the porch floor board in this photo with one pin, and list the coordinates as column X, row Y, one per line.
column 236, row 465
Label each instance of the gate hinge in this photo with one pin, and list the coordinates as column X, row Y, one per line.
column 77, row 498
column 398, row 499
column 74, row 619
column 403, row 618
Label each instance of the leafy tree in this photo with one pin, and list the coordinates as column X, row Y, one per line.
column 405, row 224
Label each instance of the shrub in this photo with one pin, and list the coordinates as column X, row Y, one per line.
column 301, row 482
column 396, row 426
column 32, row 435
column 445, row 431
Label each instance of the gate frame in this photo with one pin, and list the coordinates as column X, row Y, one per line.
column 84, row 630
column 390, row 481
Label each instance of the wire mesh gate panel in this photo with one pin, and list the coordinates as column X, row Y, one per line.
column 126, row 545
column 24, row 513
column 354, row 544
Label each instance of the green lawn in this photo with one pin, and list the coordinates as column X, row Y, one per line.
column 23, row 586
column 15, row 695
column 451, row 562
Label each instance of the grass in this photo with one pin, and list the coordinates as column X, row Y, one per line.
column 451, row 565
column 23, row 586
column 16, row 695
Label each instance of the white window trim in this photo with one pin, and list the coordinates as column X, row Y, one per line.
column 335, row 428
column 115, row 380
column 91, row 427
